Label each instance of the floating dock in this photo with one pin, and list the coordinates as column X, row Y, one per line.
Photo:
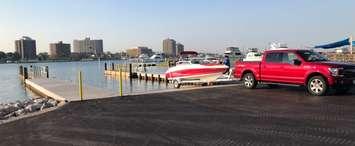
column 66, row 91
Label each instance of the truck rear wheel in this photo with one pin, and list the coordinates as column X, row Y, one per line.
column 249, row 81
column 317, row 86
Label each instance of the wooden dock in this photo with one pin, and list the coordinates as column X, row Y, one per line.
column 66, row 91
column 138, row 75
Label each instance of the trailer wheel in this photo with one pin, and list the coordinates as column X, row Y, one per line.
column 249, row 81
column 176, row 84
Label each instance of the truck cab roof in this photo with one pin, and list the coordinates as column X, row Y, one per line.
column 285, row 49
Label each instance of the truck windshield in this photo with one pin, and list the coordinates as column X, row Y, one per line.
column 311, row 56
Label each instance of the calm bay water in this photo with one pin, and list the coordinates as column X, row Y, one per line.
column 11, row 88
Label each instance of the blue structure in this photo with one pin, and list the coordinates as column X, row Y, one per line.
column 345, row 42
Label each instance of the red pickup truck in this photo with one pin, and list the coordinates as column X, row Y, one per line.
column 297, row 67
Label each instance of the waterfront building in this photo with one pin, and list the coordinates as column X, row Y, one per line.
column 59, row 50
column 169, row 47
column 88, row 46
column 132, row 52
column 179, row 48
column 26, row 48
column 137, row 51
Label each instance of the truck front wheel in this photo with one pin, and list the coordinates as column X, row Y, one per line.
column 249, row 81
column 317, row 86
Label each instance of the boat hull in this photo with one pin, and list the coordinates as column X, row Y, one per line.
column 196, row 72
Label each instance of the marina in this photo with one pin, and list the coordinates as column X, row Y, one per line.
column 189, row 73
column 78, row 100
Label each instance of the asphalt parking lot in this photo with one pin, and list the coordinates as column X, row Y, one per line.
column 213, row 116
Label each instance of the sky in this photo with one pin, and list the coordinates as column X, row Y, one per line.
column 201, row 25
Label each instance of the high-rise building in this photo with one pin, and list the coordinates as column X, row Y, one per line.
column 137, row 51
column 59, row 50
column 169, row 47
column 26, row 47
column 179, row 48
column 88, row 46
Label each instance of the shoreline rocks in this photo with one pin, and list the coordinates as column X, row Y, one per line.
column 20, row 108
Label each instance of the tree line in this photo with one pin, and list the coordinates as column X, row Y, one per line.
column 10, row 56
column 14, row 56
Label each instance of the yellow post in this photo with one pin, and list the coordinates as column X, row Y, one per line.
column 121, row 82
column 81, row 86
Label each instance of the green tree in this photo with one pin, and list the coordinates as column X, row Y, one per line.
column 43, row 56
column 13, row 56
column 2, row 55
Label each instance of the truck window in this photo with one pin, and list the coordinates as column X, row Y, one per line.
column 311, row 56
column 274, row 57
column 288, row 57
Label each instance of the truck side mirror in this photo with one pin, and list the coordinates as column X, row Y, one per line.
column 297, row 62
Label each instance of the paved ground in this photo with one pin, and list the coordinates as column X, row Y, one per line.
column 218, row 116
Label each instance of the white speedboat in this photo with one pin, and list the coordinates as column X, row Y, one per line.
column 190, row 72
column 157, row 58
column 253, row 55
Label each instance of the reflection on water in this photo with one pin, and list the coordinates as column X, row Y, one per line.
column 11, row 88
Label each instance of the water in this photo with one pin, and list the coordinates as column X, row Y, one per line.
column 11, row 88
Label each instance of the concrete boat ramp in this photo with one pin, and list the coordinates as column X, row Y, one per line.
column 221, row 116
column 65, row 90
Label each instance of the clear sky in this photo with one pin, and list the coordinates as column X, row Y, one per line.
column 203, row 25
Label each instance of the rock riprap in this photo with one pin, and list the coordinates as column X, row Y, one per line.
column 18, row 108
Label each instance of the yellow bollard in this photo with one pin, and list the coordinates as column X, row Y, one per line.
column 81, row 86
column 121, row 88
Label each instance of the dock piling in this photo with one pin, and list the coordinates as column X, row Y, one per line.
column 121, row 82
column 47, row 72
column 21, row 70
column 25, row 73
column 159, row 79
column 130, row 70
column 80, row 86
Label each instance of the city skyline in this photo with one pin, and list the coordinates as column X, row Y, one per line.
column 202, row 25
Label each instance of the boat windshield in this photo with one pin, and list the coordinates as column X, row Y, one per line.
column 196, row 61
column 311, row 56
